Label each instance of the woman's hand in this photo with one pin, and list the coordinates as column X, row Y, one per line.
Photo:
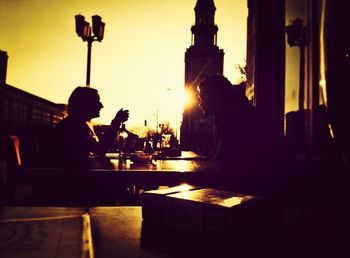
column 121, row 116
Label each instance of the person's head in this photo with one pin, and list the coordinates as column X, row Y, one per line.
column 215, row 92
column 85, row 102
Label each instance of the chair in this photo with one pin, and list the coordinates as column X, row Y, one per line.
column 10, row 156
column 17, row 152
column 28, row 150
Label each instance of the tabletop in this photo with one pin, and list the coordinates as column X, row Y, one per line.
column 160, row 172
column 121, row 232
column 122, row 179
column 112, row 173
column 116, row 232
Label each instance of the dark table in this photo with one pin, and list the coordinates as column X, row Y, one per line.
column 121, row 232
column 165, row 172
column 106, row 180
column 116, row 231
column 108, row 177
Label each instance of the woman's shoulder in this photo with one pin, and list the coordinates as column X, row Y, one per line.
column 72, row 124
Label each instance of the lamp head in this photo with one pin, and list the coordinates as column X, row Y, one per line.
column 98, row 27
column 296, row 33
column 79, row 24
column 82, row 27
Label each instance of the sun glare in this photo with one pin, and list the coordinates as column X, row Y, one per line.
column 187, row 98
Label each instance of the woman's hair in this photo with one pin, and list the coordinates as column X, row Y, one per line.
column 216, row 82
column 219, row 84
column 80, row 98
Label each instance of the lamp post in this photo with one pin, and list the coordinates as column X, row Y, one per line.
column 299, row 122
column 296, row 37
column 83, row 29
column 177, row 110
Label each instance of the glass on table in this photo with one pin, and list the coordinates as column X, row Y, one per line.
column 141, row 157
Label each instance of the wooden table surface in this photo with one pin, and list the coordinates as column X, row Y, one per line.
column 114, row 172
column 120, row 231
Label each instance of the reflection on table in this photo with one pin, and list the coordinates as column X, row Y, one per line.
column 185, row 155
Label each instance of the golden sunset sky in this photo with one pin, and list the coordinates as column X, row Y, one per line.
column 139, row 65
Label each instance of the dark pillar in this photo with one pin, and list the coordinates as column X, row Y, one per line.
column 3, row 66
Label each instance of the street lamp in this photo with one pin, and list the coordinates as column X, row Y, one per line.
column 177, row 111
column 83, row 29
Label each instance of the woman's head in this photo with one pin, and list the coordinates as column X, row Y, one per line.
column 85, row 102
column 215, row 92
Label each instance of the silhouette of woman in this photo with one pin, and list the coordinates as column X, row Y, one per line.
column 74, row 137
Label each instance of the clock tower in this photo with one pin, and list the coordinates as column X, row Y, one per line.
column 202, row 58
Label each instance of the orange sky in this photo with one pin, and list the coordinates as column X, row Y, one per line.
column 139, row 65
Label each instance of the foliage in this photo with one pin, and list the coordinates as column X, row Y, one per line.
column 242, row 68
column 142, row 131
column 148, row 133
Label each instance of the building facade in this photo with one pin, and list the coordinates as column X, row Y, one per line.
column 22, row 112
column 202, row 58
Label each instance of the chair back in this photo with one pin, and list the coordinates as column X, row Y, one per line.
column 10, row 151
column 11, row 160
column 29, row 151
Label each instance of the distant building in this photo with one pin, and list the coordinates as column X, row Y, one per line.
column 202, row 58
column 22, row 112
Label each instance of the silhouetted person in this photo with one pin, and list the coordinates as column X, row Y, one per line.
column 245, row 144
column 74, row 137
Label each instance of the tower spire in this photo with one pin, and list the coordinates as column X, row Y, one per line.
column 204, row 32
